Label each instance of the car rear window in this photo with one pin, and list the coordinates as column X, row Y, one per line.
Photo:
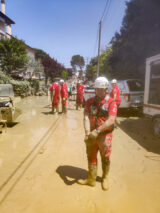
column 135, row 85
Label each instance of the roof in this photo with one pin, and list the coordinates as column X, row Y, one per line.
column 6, row 18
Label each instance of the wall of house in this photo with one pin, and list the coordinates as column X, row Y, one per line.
column 2, row 26
column 31, row 54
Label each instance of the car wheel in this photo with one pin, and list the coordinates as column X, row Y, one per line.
column 156, row 127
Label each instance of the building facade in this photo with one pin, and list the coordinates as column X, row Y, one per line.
column 5, row 23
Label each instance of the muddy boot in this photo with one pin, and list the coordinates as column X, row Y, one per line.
column 52, row 110
column 105, row 169
column 64, row 109
column 57, row 110
column 76, row 106
column 92, row 174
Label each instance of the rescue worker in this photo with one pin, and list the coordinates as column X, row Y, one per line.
column 115, row 93
column 55, row 96
column 79, row 97
column 64, row 95
column 99, row 117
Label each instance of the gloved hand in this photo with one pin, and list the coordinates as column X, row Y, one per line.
column 86, row 138
column 64, row 99
column 94, row 134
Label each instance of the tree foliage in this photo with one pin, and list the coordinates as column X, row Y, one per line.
column 65, row 75
column 13, row 55
column 104, row 66
column 40, row 54
column 138, row 39
column 77, row 61
column 52, row 68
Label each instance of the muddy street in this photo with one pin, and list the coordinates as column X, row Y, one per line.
column 43, row 155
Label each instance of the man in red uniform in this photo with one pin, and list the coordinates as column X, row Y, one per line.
column 99, row 117
column 55, row 96
column 115, row 93
column 64, row 95
column 79, row 98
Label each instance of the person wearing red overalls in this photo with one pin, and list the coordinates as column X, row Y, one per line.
column 99, row 117
column 115, row 93
column 64, row 95
column 55, row 96
column 79, row 98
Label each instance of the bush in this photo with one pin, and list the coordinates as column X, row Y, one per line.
column 20, row 87
column 35, row 85
column 4, row 79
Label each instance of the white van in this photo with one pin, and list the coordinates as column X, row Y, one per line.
column 152, row 92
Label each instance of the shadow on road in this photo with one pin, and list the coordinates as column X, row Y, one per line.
column 71, row 174
column 129, row 113
column 48, row 106
column 140, row 129
column 47, row 113
column 10, row 125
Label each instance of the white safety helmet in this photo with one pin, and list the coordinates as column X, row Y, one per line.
column 101, row 82
column 78, row 82
column 114, row 81
column 61, row 81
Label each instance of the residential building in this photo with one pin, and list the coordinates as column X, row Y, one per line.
column 35, row 69
column 5, row 23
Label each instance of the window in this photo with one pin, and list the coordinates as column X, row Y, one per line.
column 154, row 90
column 135, row 85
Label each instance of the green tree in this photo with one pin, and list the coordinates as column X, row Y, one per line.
column 65, row 75
column 13, row 55
column 138, row 39
column 40, row 54
column 77, row 61
column 104, row 66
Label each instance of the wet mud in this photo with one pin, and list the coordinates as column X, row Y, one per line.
column 43, row 156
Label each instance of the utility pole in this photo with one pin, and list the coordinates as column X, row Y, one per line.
column 99, row 44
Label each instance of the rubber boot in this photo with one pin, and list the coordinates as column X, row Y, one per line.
column 65, row 109
column 76, row 106
column 57, row 110
column 92, row 174
column 52, row 110
column 62, row 108
column 105, row 169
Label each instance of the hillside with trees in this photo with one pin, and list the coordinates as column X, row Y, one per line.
column 139, row 38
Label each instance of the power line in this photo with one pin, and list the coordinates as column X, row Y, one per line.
column 107, row 11
column 104, row 10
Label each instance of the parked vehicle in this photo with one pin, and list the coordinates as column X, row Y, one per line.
column 89, row 92
column 7, row 108
column 152, row 92
column 131, row 93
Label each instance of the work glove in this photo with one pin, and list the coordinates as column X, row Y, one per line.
column 86, row 138
column 64, row 99
column 94, row 134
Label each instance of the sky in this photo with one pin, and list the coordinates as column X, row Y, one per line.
column 64, row 28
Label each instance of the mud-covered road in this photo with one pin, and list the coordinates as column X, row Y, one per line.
column 43, row 155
